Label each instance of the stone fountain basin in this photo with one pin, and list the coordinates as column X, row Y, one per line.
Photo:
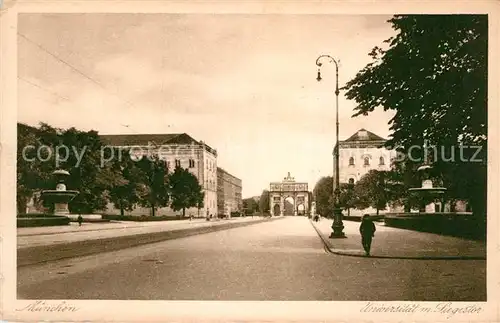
column 89, row 217
column 56, row 196
column 428, row 189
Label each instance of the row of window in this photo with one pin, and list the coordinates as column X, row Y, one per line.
column 209, row 183
column 192, row 164
column 366, row 161
column 178, row 163
column 210, row 165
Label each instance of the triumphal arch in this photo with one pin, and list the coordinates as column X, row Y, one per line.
column 280, row 191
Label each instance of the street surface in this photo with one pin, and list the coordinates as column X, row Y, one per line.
column 277, row 260
column 45, row 236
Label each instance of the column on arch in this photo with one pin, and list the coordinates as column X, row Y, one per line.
column 306, row 203
column 271, row 204
column 295, row 204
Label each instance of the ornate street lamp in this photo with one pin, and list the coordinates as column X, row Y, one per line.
column 337, row 225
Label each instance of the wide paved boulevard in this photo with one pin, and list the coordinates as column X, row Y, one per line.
column 278, row 260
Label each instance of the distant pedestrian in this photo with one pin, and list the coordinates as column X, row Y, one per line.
column 80, row 220
column 367, row 230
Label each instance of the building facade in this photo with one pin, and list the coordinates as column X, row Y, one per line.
column 360, row 153
column 365, row 151
column 229, row 189
column 177, row 150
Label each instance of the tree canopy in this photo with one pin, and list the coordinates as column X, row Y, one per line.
column 250, row 205
column 264, row 202
column 127, row 192
column 79, row 153
column 185, row 190
column 433, row 74
column 155, row 186
column 323, row 195
column 348, row 198
column 371, row 190
column 122, row 181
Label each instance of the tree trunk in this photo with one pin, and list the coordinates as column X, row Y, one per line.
column 377, row 211
column 453, row 205
column 183, row 212
column 152, row 210
column 348, row 211
column 21, row 205
column 122, row 211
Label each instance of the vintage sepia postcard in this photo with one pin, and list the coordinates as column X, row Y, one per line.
column 304, row 161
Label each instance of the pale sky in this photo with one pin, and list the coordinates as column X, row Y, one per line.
column 244, row 84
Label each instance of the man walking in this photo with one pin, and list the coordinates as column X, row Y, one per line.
column 367, row 230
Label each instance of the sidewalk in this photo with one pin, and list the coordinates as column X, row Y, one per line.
column 36, row 249
column 398, row 243
column 45, row 236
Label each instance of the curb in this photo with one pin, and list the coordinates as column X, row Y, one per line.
column 43, row 254
column 361, row 254
column 83, row 230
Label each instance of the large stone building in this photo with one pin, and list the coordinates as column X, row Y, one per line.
column 360, row 153
column 364, row 151
column 176, row 149
column 228, row 193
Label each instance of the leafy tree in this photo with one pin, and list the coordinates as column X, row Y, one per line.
column 185, row 190
column 30, row 175
column 264, row 202
column 347, row 197
column 250, row 205
column 433, row 74
column 126, row 193
column 79, row 154
column 155, row 184
column 323, row 193
column 87, row 175
column 371, row 191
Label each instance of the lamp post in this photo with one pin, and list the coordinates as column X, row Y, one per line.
column 337, row 225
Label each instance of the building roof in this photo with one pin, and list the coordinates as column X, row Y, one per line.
column 364, row 135
column 155, row 139
column 222, row 171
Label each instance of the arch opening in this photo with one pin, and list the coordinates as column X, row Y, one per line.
column 276, row 209
column 289, row 206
